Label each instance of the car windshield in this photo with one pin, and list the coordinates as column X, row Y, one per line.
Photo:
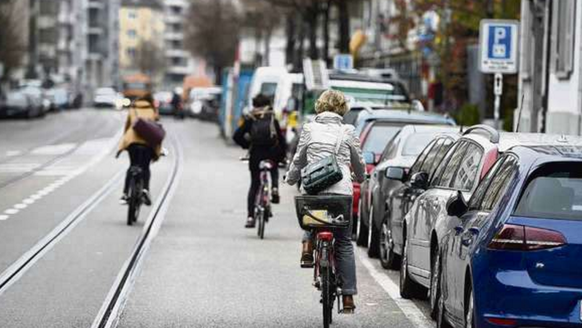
column 416, row 143
column 379, row 136
column 105, row 92
column 564, row 183
column 391, row 93
column 268, row 89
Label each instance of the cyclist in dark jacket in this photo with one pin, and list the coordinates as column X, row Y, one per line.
column 261, row 134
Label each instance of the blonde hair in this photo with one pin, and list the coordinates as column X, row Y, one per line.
column 332, row 101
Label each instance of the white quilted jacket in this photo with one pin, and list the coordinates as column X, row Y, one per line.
column 318, row 140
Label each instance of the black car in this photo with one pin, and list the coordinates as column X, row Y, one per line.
column 397, row 203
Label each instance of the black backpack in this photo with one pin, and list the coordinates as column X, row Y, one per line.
column 263, row 132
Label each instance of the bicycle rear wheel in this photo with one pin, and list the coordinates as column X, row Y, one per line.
column 326, row 295
column 261, row 224
column 134, row 202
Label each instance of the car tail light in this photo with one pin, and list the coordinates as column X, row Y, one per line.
column 502, row 322
column 521, row 238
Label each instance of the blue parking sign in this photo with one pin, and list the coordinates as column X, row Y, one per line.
column 499, row 46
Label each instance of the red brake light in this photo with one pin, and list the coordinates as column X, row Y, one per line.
column 502, row 322
column 370, row 168
column 521, row 238
column 325, row 236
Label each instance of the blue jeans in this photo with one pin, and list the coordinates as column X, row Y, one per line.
column 345, row 259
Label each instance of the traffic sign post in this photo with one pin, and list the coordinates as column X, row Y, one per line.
column 498, row 54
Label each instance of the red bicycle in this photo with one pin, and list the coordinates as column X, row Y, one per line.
column 323, row 215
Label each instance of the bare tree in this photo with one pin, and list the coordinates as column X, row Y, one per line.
column 12, row 36
column 150, row 59
column 212, row 32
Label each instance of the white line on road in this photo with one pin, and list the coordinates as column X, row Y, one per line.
column 11, row 211
column 20, row 206
column 410, row 310
column 4, row 217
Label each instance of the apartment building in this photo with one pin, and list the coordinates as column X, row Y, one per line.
column 141, row 37
column 550, row 77
column 179, row 62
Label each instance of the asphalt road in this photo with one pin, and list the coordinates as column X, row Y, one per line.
column 202, row 269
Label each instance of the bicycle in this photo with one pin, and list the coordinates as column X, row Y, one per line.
column 262, row 210
column 322, row 215
column 135, row 194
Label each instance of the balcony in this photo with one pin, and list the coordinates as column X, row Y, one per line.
column 174, row 36
column 95, row 4
column 177, row 53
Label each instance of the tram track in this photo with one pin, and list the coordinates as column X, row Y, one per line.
column 112, row 307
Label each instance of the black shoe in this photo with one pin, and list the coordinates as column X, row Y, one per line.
column 123, row 200
column 275, row 199
column 145, row 194
column 250, row 222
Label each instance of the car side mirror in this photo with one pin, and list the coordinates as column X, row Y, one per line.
column 395, row 173
column 419, row 180
column 369, row 157
column 457, row 205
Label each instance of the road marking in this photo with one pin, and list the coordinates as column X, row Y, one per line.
column 11, row 211
column 410, row 310
column 20, row 206
column 12, row 153
column 68, row 172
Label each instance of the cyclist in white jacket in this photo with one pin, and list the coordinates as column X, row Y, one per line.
column 318, row 140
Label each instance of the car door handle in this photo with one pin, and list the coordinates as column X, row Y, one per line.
column 458, row 230
column 474, row 231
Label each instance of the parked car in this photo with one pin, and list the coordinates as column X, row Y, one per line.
column 199, row 102
column 265, row 81
column 163, row 101
column 405, row 116
column 427, row 221
column 394, row 118
column 400, row 154
column 59, row 97
column 107, row 98
column 40, row 103
column 18, row 103
column 395, row 204
column 513, row 257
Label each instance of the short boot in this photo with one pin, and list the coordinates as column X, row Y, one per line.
column 307, row 255
column 349, row 306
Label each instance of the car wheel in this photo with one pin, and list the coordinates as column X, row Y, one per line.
column 362, row 230
column 470, row 309
column 408, row 288
column 373, row 236
column 435, row 287
column 388, row 258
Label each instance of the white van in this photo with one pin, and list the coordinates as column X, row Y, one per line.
column 266, row 80
column 289, row 87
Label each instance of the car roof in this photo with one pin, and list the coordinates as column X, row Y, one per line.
column 549, row 153
column 399, row 115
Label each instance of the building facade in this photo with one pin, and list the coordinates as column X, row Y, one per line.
column 550, row 77
column 179, row 62
column 141, row 37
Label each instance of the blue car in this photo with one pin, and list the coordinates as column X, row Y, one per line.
column 515, row 259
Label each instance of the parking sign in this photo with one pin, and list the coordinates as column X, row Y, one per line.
column 499, row 47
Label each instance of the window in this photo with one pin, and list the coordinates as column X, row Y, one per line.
column 438, row 156
column 468, row 171
column 448, row 174
column 443, row 164
column 499, row 184
column 378, row 137
column 422, row 158
column 132, row 14
column 415, row 143
column 563, row 36
column 563, row 181
column 429, row 162
column 392, row 148
column 132, row 34
column 131, row 52
column 479, row 193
